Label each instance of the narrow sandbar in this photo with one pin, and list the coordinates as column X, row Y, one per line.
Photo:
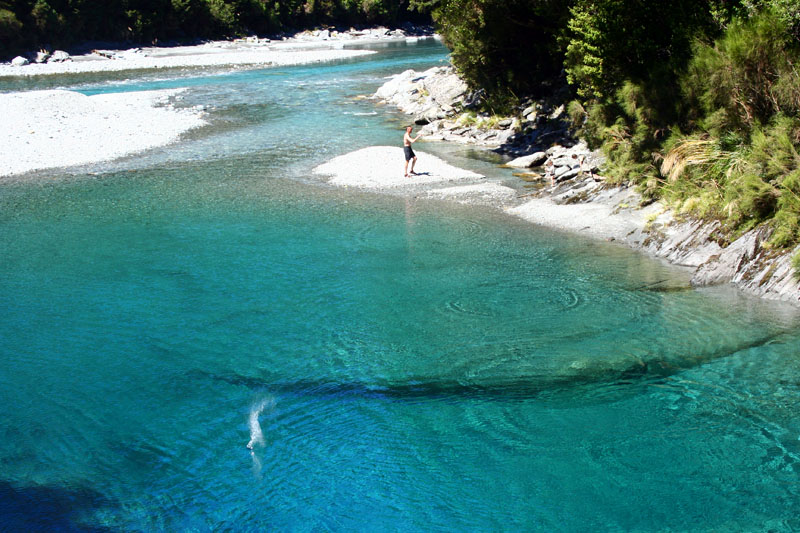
column 382, row 168
column 597, row 219
column 195, row 56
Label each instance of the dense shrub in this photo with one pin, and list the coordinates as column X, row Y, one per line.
column 747, row 76
column 506, row 47
column 10, row 31
column 721, row 138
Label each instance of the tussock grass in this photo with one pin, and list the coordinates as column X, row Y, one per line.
column 729, row 149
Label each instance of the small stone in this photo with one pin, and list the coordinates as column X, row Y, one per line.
column 565, row 173
column 19, row 61
column 530, row 110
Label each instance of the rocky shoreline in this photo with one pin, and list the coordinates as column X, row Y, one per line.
column 573, row 195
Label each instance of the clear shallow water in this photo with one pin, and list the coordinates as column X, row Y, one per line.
column 409, row 365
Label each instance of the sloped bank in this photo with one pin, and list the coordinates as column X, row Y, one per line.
column 575, row 199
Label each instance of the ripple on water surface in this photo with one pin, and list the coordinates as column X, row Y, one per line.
column 394, row 363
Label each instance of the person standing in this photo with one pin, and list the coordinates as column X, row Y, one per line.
column 410, row 155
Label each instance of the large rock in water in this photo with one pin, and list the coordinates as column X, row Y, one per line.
column 429, row 95
column 528, row 161
column 19, row 61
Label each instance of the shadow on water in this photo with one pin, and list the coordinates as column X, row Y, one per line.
column 585, row 383
column 47, row 508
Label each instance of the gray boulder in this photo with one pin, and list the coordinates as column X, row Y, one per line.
column 444, row 86
column 19, row 61
column 530, row 111
column 565, row 173
column 528, row 161
column 428, row 95
column 565, row 161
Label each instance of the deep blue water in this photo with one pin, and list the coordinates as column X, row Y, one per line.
column 411, row 365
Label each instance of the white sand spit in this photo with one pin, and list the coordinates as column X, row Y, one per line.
column 174, row 58
column 381, row 167
column 479, row 193
column 49, row 129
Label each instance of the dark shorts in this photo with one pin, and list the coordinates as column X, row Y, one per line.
column 409, row 153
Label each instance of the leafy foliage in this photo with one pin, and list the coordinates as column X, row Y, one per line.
column 747, row 76
column 10, row 27
column 719, row 135
column 506, row 47
column 613, row 41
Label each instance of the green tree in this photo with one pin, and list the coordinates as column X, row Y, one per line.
column 610, row 42
column 747, row 76
column 506, row 47
column 10, row 28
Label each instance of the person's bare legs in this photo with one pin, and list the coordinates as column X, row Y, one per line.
column 406, row 168
column 413, row 162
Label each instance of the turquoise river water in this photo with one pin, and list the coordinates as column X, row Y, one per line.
column 395, row 364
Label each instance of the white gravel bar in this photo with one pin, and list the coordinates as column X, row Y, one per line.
column 57, row 128
column 381, row 168
column 188, row 56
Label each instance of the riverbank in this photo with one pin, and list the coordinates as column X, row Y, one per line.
column 302, row 48
column 573, row 196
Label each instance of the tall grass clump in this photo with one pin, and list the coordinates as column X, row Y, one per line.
column 726, row 146
column 746, row 77
column 743, row 182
